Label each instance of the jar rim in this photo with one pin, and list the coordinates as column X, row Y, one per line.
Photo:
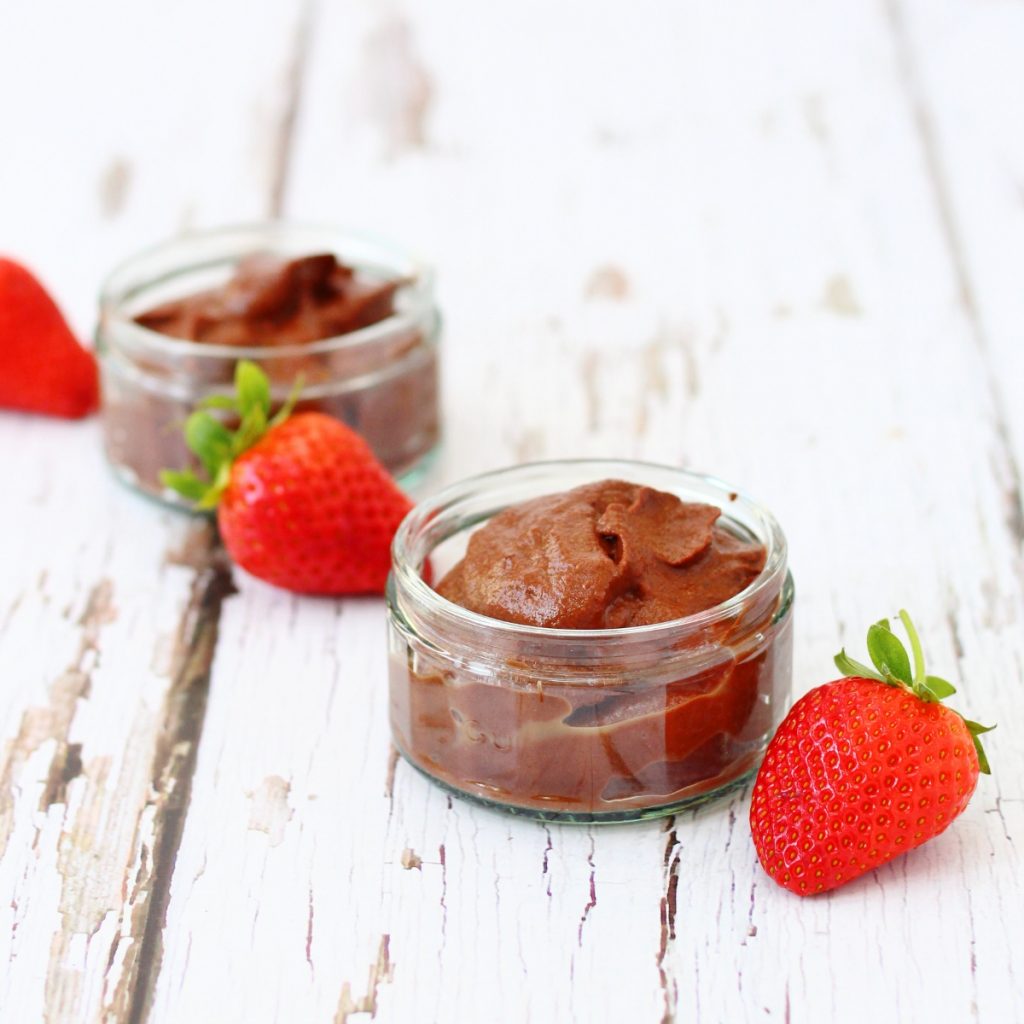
column 405, row 575
column 119, row 287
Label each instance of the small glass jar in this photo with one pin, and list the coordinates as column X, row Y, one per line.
column 584, row 725
column 382, row 380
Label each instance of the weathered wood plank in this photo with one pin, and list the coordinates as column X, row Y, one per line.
column 121, row 127
column 961, row 66
column 89, row 625
column 744, row 240
column 706, row 236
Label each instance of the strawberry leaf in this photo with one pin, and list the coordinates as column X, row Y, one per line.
column 253, row 389
column 219, row 402
column 289, row 403
column 209, row 439
column 251, row 429
column 939, row 686
column 915, row 646
column 975, row 729
column 888, row 653
column 212, row 495
column 849, row 667
column 186, row 483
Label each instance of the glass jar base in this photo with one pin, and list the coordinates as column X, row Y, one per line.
column 623, row 817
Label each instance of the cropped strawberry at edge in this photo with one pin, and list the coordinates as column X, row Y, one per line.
column 43, row 368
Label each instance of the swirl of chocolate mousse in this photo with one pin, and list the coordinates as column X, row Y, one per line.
column 272, row 301
column 601, row 556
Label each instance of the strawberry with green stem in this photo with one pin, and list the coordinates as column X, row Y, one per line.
column 863, row 769
column 301, row 501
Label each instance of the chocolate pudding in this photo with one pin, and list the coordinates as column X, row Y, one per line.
column 343, row 331
column 603, row 732
column 602, row 556
column 271, row 302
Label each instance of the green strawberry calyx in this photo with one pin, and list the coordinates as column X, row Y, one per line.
column 893, row 665
column 215, row 445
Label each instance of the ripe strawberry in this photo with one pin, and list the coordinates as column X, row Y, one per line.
column 301, row 503
column 863, row 769
column 42, row 366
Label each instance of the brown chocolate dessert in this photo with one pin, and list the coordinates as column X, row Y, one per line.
column 602, row 556
column 588, row 725
column 274, row 302
column 298, row 318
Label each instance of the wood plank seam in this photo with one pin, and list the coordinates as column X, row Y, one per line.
column 290, row 115
column 175, row 757
column 670, row 863
column 946, row 214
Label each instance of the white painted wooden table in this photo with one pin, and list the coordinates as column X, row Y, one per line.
column 777, row 241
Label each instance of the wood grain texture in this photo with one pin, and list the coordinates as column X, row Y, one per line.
column 772, row 242
column 94, row 629
column 108, row 604
column 976, row 168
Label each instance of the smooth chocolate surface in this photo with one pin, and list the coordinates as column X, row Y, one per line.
column 602, row 556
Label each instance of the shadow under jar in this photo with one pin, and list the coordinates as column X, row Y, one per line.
column 381, row 379
column 596, row 725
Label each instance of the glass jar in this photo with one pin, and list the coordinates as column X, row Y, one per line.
column 584, row 725
column 382, row 380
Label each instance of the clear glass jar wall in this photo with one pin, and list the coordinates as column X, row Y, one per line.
column 382, row 380
column 584, row 725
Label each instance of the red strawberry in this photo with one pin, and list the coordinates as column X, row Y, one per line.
column 863, row 769
column 42, row 366
column 301, row 503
